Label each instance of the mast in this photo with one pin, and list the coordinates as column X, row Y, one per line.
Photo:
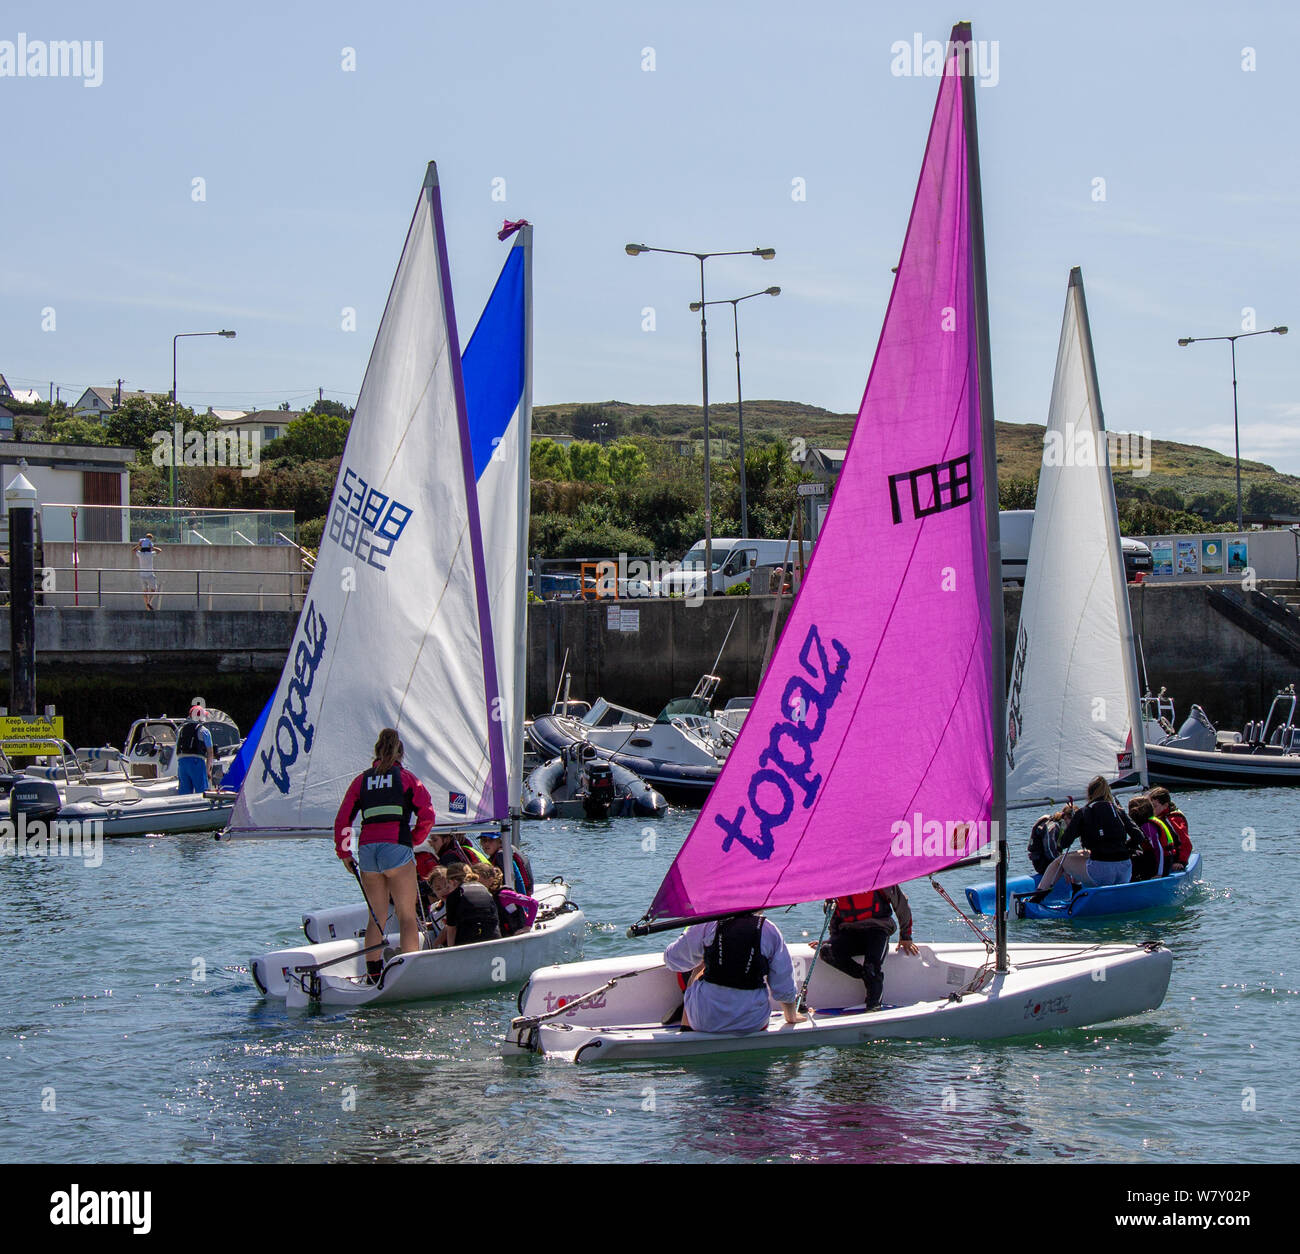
column 515, row 783
column 1113, row 541
column 961, row 34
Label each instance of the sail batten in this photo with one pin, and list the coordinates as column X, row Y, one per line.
column 866, row 758
column 396, row 628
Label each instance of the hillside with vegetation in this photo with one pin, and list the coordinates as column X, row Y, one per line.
column 629, row 478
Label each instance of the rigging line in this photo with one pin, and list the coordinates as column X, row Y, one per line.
column 801, row 1002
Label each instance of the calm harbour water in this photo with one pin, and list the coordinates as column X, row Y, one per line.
column 148, row 1063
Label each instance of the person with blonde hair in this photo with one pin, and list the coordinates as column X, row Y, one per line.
column 1102, row 829
column 396, row 814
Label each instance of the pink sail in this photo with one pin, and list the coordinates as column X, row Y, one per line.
column 868, row 758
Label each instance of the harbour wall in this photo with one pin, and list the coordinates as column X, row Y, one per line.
column 102, row 668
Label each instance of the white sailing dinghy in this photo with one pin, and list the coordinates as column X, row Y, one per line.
column 786, row 821
column 398, row 631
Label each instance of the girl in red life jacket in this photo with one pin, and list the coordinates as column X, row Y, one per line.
column 387, row 798
column 1177, row 820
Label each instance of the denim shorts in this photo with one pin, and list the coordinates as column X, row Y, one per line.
column 384, row 856
column 1103, row 874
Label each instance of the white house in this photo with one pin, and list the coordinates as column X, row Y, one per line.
column 270, row 424
column 96, row 402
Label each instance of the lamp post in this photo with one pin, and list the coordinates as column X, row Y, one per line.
column 1236, row 434
column 740, row 411
column 184, row 335
column 634, row 250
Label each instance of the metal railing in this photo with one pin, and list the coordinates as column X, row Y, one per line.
column 128, row 523
column 116, row 587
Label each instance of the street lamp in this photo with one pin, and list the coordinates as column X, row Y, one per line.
column 1236, row 435
column 635, row 250
column 184, row 335
column 740, row 412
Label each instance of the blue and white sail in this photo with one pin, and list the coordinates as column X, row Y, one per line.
column 498, row 395
column 396, row 630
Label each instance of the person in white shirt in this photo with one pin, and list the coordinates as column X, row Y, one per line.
column 735, row 963
column 144, row 554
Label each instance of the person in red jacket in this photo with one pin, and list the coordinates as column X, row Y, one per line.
column 1177, row 821
column 395, row 813
column 861, row 925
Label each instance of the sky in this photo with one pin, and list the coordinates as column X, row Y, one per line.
column 255, row 166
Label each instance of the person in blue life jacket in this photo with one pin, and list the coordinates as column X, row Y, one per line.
column 861, row 925
column 194, row 751
column 735, row 963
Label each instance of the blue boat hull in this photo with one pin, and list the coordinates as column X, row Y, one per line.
column 1090, row 903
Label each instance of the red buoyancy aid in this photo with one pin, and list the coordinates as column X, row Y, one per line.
column 1168, row 838
column 1178, row 821
column 859, row 907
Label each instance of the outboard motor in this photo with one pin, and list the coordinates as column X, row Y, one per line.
column 600, row 790
column 37, row 799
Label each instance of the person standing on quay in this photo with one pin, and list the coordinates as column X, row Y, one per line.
column 144, row 554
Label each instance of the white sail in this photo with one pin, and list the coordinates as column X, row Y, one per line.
column 1073, row 697
column 396, row 629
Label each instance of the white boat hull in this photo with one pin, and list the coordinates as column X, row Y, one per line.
column 1048, row 987
column 1215, row 768
column 416, row 976
column 169, row 814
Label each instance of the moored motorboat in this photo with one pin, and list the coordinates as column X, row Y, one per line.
column 579, row 785
column 1262, row 755
column 1087, row 902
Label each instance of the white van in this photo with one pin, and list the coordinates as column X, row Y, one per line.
column 734, row 561
column 1017, row 527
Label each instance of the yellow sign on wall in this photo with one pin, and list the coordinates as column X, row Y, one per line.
column 23, row 734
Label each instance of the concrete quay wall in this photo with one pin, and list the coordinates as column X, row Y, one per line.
column 104, row 667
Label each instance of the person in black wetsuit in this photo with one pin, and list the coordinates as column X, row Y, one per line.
column 471, row 909
column 862, row 924
column 1102, row 829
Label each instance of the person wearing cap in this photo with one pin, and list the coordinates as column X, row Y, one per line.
column 493, row 846
column 194, row 752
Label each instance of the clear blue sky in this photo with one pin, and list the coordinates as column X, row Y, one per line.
column 312, row 171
